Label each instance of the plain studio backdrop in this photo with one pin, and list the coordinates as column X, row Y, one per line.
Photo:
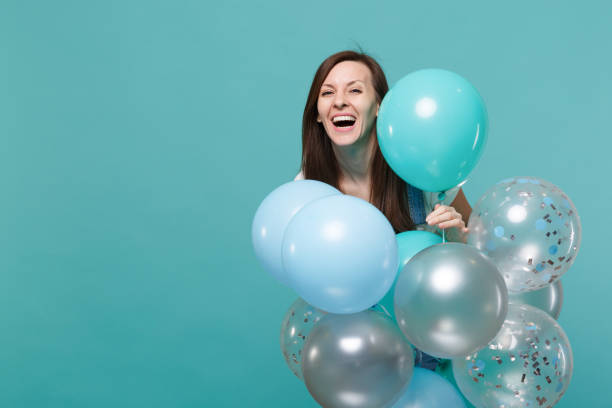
column 139, row 137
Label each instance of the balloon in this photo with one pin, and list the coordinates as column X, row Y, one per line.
column 340, row 254
column 356, row 360
column 273, row 215
column 529, row 228
column 409, row 243
column 432, row 129
column 450, row 300
column 299, row 320
column 445, row 370
column 528, row 364
column 429, row 390
column 549, row 299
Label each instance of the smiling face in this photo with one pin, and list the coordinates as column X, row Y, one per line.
column 347, row 105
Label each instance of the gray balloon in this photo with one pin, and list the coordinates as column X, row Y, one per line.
column 450, row 300
column 549, row 299
column 356, row 360
column 529, row 228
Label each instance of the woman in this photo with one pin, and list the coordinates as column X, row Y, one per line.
column 340, row 148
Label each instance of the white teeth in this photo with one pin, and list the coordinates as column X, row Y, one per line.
column 346, row 117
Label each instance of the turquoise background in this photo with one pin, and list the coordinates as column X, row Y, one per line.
column 139, row 137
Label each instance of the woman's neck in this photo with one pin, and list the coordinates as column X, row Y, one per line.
column 354, row 161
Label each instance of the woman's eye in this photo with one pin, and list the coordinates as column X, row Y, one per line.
column 356, row 90
column 324, row 93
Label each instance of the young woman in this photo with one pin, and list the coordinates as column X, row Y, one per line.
column 340, row 148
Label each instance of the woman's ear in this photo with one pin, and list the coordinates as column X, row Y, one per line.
column 319, row 117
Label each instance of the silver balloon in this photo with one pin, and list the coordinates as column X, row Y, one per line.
column 450, row 300
column 356, row 360
column 299, row 320
column 530, row 229
column 528, row 364
column 549, row 299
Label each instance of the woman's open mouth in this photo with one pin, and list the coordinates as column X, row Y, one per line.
column 344, row 123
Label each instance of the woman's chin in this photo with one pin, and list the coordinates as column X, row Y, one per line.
column 344, row 139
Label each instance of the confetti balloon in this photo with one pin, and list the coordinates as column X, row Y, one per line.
column 450, row 300
column 356, row 360
column 432, row 128
column 529, row 228
column 528, row 364
column 548, row 299
column 273, row 215
column 299, row 320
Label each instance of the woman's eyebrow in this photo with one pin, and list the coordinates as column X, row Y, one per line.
column 349, row 84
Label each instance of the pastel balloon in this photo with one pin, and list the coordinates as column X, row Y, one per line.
column 409, row 243
column 356, row 360
column 528, row 363
column 429, row 390
column 445, row 370
column 297, row 324
column 340, row 254
column 529, row 228
column 548, row 299
column 432, row 129
column 450, row 300
column 273, row 216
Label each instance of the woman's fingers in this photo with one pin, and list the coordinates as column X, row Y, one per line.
column 453, row 223
column 446, row 217
column 446, row 214
column 438, row 210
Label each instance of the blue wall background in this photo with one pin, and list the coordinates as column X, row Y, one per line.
column 137, row 139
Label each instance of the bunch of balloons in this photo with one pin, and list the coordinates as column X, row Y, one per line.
column 367, row 296
column 339, row 253
column 336, row 251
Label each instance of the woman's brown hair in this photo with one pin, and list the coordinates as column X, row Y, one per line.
column 388, row 191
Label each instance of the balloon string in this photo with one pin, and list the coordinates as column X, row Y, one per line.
column 441, row 197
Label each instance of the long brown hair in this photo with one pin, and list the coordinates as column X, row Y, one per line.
column 387, row 191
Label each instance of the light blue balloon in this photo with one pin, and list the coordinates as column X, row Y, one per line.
column 432, row 129
column 409, row 244
column 273, row 216
column 340, row 254
column 429, row 390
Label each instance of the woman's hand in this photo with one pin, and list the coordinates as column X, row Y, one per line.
column 445, row 217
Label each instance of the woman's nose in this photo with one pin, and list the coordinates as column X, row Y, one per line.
column 339, row 101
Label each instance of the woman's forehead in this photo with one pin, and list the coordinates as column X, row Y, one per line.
column 347, row 72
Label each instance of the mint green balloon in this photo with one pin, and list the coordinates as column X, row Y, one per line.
column 432, row 129
column 409, row 244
